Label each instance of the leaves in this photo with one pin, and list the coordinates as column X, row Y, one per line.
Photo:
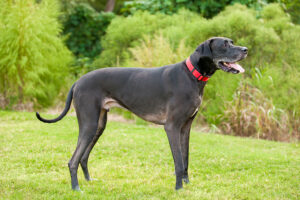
column 33, row 58
column 84, row 27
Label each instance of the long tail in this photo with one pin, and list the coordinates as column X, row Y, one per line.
column 67, row 107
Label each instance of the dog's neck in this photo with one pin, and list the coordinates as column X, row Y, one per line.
column 204, row 65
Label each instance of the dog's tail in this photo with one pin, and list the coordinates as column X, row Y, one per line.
column 67, row 107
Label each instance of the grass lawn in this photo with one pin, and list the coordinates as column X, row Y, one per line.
column 135, row 162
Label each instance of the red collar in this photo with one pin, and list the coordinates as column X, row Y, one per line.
column 194, row 71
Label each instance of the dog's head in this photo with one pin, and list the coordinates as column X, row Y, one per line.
column 219, row 53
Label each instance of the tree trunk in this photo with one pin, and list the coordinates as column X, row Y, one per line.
column 110, row 5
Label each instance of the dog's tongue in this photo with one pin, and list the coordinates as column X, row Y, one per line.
column 237, row 67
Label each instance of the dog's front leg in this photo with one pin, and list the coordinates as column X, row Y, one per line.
column 173, row 133
column 184, row 141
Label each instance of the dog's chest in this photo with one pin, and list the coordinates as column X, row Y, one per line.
column 197, row 104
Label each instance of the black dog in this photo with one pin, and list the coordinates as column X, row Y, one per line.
column 168, row 95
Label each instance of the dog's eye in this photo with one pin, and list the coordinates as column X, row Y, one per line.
column 226, row 44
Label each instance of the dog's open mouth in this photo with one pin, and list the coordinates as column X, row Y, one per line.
column 231, row 67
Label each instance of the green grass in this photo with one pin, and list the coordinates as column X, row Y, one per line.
column 135, row 162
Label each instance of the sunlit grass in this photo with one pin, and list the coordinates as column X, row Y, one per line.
column 134, row 162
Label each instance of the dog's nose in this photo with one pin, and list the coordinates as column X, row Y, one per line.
column 245, row 50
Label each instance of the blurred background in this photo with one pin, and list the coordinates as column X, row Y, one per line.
column 46, row 45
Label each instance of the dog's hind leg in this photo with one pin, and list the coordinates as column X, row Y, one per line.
column 88, row 115
column 85, row 157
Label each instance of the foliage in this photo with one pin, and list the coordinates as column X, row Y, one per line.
column 218, row 90
column 33, row 59
column 85, row 27
column 98, row 5
column 279, row 78
column 281, row 85
column 135, row 162
column 125, row 33
column 156, row 52
column 153, row 6
column 274, row 17
column 292, row 7
column 207, row 9
column 251, row 114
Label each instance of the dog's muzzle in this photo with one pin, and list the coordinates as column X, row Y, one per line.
column 231, row 67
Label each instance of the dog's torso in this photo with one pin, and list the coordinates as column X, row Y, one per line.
column 150, row 93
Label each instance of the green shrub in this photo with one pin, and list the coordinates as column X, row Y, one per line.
column 85, row 27
column 289, row 51
column 219, row 89
column 281, row 85
column 293, row 7
column 207, row 9
column 275, row 17
column 152, row 6
column 33, row 59
column 251, row 114
column 156, row 52
column 125, row 33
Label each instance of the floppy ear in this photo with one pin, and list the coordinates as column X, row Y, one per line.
column 204, row 49
column 202, row 53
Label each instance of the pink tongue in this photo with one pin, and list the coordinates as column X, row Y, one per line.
column 237, row 67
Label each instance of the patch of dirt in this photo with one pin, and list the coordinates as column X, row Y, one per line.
column 4, row 103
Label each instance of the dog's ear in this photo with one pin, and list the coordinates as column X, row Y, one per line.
column 204, row 49
column 203, row 54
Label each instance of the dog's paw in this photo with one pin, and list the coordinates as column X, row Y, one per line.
column 186, row 180
column 77, row 189
column 178, row 187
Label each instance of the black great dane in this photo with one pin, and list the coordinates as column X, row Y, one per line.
column 168, row 95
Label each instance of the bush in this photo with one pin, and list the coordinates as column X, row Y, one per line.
column 125, row 33
column 207, row 9
column 293, row 7
column 33, row 59
column 85, row 27
column 251, row 114
column 281, row 85
column 156, row 52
